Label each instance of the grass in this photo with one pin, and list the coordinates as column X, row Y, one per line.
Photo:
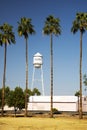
column 35, row 123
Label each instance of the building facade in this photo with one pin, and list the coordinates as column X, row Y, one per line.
column 61, row 103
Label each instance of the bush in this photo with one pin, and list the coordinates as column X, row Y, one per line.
column 55, row 110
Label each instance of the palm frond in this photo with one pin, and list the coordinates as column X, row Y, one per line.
column 52, row 26
column 25, row 27
column 80, row 23
column 6, row 34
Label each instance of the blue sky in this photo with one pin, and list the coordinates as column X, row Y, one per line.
column 65, row 47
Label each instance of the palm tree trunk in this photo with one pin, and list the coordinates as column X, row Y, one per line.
column 26, row 94
column 51, row 74
column 80, row 108
column 4, row 80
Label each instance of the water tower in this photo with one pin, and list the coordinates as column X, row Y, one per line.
column 37, row 65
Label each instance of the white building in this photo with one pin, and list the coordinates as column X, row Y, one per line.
column 62, row 103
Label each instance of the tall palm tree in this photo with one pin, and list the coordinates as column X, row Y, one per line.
column 24, row 29
column 6, row 37
column 51, row 27
column 79, row 25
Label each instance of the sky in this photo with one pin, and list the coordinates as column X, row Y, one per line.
column 66, row 47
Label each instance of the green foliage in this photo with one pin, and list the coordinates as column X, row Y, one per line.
column 80, row 23
column 35, row 91
column 85, row 80
column 6, row 34
column 10, row 100
column 25, row 27
column 52, row 26
column 77, row 93
column 16, row 98
column 13, row 97
column 55, row 110
column 7, row 92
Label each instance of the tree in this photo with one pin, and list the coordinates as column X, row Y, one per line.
column 51, row 27
column 79, row 25
column 24, row 29
column 35, row 91
column 16, row 98
column 7, row 91
column 10, row 100
column 6, row 37
column 77, row 94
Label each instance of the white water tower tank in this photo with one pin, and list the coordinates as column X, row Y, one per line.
column 37, row 60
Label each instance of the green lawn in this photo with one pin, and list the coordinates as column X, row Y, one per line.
column 35, row 123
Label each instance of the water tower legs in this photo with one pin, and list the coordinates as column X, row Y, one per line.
column 32, row 85
column 41, row 79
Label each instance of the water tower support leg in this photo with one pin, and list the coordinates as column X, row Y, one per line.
column 33, row 79
column 42, row 81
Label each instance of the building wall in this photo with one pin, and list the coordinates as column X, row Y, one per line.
column 46, row 106
column 62, row 103
column 84, row 104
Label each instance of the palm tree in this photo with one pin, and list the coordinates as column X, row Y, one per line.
column 51, row 27
column 6, row 37
column 79, row 24
column 24, row 29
